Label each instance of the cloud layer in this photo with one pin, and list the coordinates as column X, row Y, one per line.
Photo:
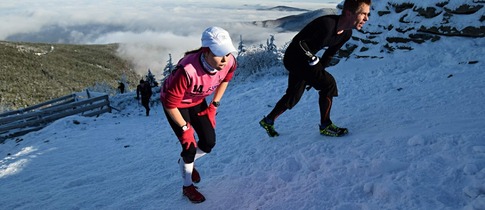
column 148, row 30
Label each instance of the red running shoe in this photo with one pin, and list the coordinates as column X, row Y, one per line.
column 192, row 194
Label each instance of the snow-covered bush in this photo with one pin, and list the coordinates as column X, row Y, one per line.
column 254, row 62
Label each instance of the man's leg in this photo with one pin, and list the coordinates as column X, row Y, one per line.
column 327, row 92
column 145, row 103
column 324, row 82
column 294, row 91
column 325, row 104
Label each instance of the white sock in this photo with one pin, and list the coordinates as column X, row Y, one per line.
column 186, row 170
column 199, row 154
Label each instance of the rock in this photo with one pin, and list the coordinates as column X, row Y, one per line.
column 428, row 12
column 401, row 7
column 464, row 9
column 398, row 40
column 402, row 19
column 469, row 31
column 381, row 13
column 404, row 30
column 424, row 37
column 347, row 50
column 405, row 48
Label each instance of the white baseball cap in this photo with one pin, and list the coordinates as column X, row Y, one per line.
column 218, row 40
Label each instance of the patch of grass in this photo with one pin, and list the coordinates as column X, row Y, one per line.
column 31, row 73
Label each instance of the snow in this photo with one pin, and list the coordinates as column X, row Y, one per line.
column 416, row 141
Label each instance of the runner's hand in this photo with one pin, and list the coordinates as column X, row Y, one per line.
column 211, row 113
column 188, row 138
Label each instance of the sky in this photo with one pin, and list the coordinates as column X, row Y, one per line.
column 148, row 30
column 416, row 141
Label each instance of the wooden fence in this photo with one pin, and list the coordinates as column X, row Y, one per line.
column 23, row 121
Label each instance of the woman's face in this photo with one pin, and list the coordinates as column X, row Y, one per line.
column 216, row 61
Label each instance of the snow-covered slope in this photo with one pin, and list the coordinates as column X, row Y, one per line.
column 415, row 142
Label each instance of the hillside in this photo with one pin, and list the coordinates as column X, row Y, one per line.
column 34, row 72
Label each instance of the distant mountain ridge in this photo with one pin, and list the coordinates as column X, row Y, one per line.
column 295, row 22
column 284, row 8
column 64, row 34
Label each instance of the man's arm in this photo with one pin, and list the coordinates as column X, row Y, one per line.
column 331, row 51
column 312, row 59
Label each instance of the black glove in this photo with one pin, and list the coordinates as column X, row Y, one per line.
column 312, row 59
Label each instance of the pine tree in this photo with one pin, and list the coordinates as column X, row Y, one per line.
column 241, row 47
column 168, row 68
column 270, row 46
column 150, row 78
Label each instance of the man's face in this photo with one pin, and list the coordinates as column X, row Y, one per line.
column 361, row 16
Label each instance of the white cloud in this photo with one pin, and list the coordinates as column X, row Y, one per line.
column 149, row 30
column 149, row 49
column 178, row 16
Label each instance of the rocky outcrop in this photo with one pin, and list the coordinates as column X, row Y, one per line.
column 399, row 24
column 446, row 15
